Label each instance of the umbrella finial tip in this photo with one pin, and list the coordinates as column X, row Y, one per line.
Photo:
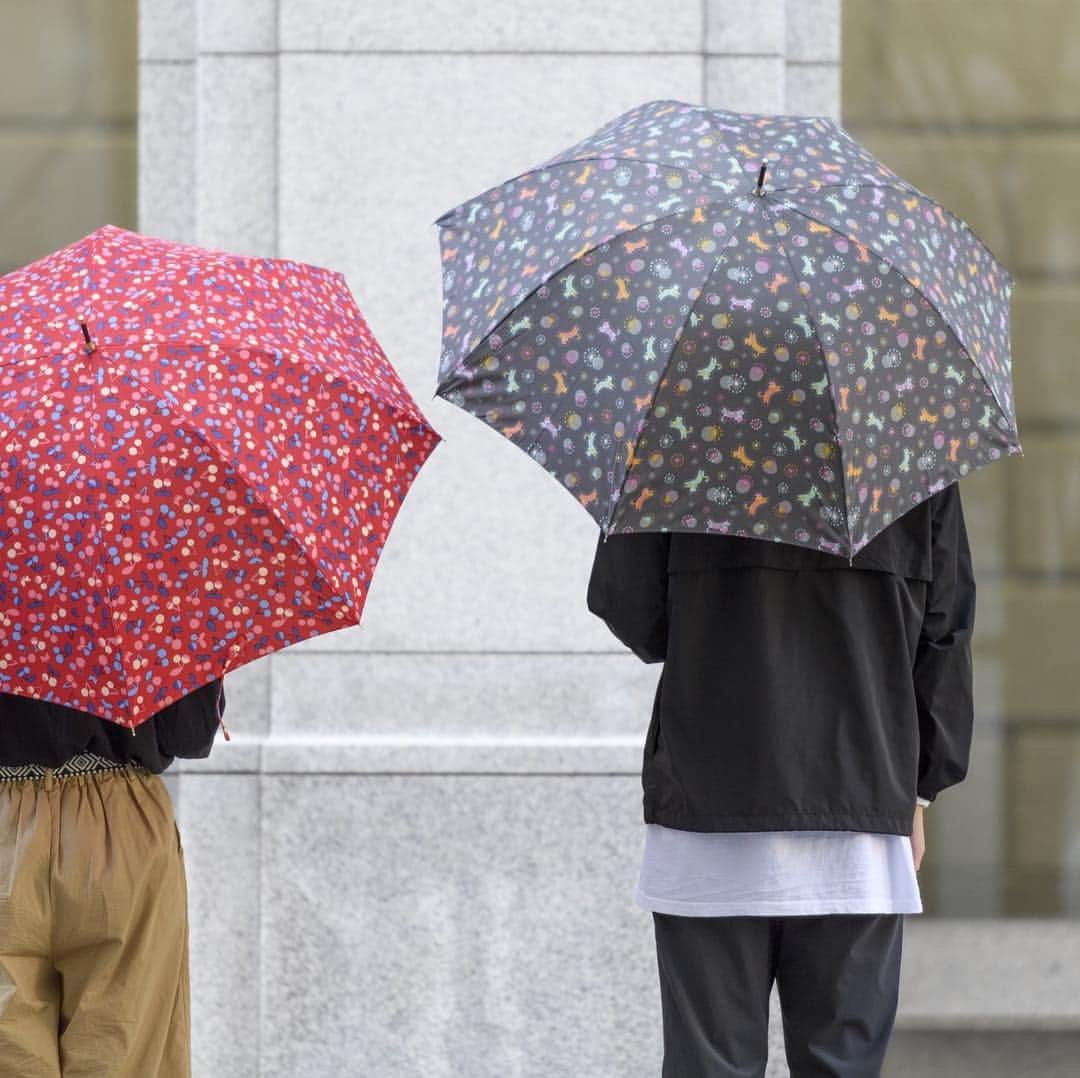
column 759, row 190
column 88, row 345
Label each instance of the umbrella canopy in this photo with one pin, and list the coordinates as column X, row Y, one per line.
column 715, row 322
column 201, row 456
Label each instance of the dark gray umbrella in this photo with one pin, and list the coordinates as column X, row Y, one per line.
column 716, row 322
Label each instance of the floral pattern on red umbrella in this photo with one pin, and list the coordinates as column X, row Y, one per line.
column 201, row 457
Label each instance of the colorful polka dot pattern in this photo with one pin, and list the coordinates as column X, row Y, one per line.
column 212, row 482
column 684, row 351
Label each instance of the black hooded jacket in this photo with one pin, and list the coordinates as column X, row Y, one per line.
column 799, row 692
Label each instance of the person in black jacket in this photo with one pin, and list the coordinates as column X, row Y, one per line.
column 808, row 709
column 93, row 897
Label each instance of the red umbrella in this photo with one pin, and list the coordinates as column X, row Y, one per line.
column 201, row 456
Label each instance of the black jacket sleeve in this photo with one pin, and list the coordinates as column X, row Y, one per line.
column 187, row 727
column 943, row 671
column 628, row 589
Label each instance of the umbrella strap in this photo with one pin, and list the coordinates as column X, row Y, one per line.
column 220, row 715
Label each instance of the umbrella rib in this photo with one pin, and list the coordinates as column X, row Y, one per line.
column 730, row 197
column 405, row 416
column 899, row 184
column 97, row 442
column 329, row 575
column 707, row 115
column 17, row 427
column 12, row 431
column 836, row 414
column 948, row 325
column 813, row 188
column 642, row 161
column 444, row 387
column 409, row 414
column 104, row 565
column 720, row 259
column 446, row 221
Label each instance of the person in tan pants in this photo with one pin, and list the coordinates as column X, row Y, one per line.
column 93, row 896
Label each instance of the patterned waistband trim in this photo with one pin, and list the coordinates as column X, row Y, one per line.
column 85, row 763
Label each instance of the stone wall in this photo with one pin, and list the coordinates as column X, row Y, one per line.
column 417, row 855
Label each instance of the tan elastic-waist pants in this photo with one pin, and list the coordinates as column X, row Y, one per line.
column 93, row 929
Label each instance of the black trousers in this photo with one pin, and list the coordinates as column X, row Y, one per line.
column 838, row 978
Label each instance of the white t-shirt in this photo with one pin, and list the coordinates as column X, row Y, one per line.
column 776, row 873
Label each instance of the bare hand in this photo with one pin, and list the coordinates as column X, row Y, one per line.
column 918, row 837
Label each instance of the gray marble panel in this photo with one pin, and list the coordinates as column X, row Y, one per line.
column 982, row 1053
column 982, row 974
column 777, row 1067
column 166, row 29
column 388, row 754
column 745, row 26
column 487, row 548
column 813, row 89
column 513, row 25
column 488, row 553
column 364, row 173
column 441, row 926
column 236, row 185
column 247, row 721
column 247, row 698
column 167, row 150
column 478, row 695
column 813, row 30
column 171, row 779
column 745, row 83
column 220, row 824
column 239, row 756
column 232, row 26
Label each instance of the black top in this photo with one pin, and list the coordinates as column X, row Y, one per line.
column 799, row 692
column 37, row 732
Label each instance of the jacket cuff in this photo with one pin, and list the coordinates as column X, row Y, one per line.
column 921, row 801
